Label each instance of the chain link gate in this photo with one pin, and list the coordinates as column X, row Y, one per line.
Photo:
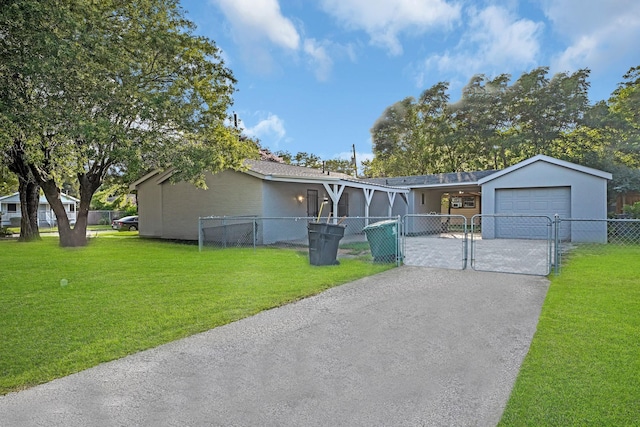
column 434, row 240
column 521, row 244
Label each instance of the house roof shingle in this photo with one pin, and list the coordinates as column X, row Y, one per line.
column 267, row 168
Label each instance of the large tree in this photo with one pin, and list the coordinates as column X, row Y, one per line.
column 493, row 125
column 27, row 36
column 481, row 116
column 122, row 86
column 543, row 110
column 414, row 136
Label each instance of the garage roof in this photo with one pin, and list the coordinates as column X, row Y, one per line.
column 547, row 159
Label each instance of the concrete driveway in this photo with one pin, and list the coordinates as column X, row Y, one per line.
column 410, row 347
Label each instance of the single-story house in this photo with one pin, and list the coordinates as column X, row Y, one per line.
column 541, row 185
column 264, row 189
column 11, row 210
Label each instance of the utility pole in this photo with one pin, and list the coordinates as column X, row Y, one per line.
column 355, row 164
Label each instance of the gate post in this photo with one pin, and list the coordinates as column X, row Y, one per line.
column 466, row 246
column 556, row 244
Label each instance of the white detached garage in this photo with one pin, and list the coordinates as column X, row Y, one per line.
column 541, row 187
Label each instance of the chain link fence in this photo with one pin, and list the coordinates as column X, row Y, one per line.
column 500, row 243
column 375, row 239
column 574, row 232
column 96, row 217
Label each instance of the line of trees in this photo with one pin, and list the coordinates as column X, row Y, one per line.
column 496, row 124
column 310, row 160
column 92, row 89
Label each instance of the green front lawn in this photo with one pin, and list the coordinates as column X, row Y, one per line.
column 64, row 310
column 45, row 230
column 583, row 367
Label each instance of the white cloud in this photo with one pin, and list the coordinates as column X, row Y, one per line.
column 501, row 38
column 318, row 58
column 599, row 34
column 270, row 130
column 384, row 20
column 495, row 40
column 253, row 20
column 255, row 24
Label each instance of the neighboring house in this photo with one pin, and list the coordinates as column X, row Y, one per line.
column 541, row 186
column 12, row 212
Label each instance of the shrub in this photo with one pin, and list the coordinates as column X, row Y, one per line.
column 632, row 210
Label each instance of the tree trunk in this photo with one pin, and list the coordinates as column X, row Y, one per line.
column 29, row 192
column 69, row 237
column 29, row 202
column 76, row 236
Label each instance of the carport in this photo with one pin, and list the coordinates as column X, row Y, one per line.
column 513, row 220
column 538, row 186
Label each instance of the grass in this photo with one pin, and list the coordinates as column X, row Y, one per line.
column 46, row 230
column 357, row 248
column 64, row 310
column 583, row 367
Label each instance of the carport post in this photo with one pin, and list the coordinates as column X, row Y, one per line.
column 199, row 234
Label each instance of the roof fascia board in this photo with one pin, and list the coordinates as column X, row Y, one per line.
column 139, row 181
column 324, row 180
column 165, row 176
column 15, row 198
column 10, row 197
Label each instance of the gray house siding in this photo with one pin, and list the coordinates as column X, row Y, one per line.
column 150, row 208
column 283, row 199
column 228, row 193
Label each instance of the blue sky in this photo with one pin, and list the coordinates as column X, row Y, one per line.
column 314, row 76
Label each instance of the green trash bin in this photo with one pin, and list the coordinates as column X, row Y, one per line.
column 323, row 243
column 383, row 241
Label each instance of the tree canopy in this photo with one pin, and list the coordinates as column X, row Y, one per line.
column 90, row 88
column 497, row 123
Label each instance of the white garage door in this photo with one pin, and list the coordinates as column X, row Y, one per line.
column 533, row 202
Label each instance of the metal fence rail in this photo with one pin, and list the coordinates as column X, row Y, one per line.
column 360, row 235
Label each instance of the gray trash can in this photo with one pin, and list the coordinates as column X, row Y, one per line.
column 323, row 243
column 383, row 241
